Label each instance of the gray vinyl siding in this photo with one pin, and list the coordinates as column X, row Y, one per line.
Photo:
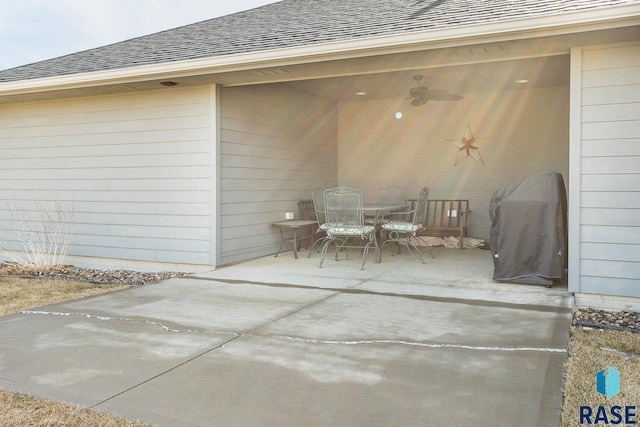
column 610, row 171
column 134, row 168
column 277, row 144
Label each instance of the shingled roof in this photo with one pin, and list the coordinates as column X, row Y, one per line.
column 294, row 23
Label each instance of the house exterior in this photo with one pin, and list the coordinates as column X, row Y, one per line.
column 179, row 149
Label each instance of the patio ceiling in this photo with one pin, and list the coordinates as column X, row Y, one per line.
column 549, row 71
column 460, row 68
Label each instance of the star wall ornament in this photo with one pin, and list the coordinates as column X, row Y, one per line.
column 468, row 147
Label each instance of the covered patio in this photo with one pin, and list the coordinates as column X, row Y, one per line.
column 286, row 131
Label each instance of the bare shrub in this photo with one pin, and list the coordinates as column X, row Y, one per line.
column 45, row 235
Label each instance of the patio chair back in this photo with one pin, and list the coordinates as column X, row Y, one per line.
column 392, row 195
column 343, row 206
column 318, row 204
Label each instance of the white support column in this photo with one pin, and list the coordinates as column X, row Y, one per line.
column 214, row 164
column 575, row 169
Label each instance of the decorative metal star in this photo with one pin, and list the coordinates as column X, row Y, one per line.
column 467, row 148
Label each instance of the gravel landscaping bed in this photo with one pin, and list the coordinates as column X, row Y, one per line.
column 602, row 319
column 127, row 277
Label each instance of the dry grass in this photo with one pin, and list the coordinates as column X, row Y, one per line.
column 22, row 294
column 589, row 352
column 22, row 410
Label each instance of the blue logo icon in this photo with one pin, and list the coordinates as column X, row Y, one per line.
column 608, row 382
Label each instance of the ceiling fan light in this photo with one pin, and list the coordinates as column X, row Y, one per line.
column 419, row 91
column 418, row 101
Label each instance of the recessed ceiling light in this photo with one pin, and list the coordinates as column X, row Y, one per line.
column 522, row 81
column 169, row 84
column 361, row 93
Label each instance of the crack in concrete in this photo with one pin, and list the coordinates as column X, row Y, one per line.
column 308, row 340
column 411, row 343
column 106, row 318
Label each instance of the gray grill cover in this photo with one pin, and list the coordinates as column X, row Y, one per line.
column 528, row 236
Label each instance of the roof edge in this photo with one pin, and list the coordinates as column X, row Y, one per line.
column 594, row 19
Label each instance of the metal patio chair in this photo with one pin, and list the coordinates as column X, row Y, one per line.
column 403, row 232
column 344, row 224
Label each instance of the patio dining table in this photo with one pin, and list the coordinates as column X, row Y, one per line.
column 377, row 209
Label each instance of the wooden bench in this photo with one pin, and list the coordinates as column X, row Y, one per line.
column 446, row 218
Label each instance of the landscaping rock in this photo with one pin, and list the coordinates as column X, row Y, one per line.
column 603, row 319
column 128, row 277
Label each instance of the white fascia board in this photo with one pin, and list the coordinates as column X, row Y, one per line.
column 565, row 23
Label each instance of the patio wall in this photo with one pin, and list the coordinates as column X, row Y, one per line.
column 518, row 133
column 277, row 145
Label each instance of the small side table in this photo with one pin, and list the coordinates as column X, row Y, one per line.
column 295, row 225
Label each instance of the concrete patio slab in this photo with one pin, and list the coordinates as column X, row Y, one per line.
column 87, row 360
column 279, row 341
column 260, row 381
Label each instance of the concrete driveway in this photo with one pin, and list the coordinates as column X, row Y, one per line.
column 280, row 342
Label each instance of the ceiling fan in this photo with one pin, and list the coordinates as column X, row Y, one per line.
column 421, row 94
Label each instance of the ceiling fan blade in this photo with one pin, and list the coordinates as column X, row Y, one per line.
column 443, row 95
